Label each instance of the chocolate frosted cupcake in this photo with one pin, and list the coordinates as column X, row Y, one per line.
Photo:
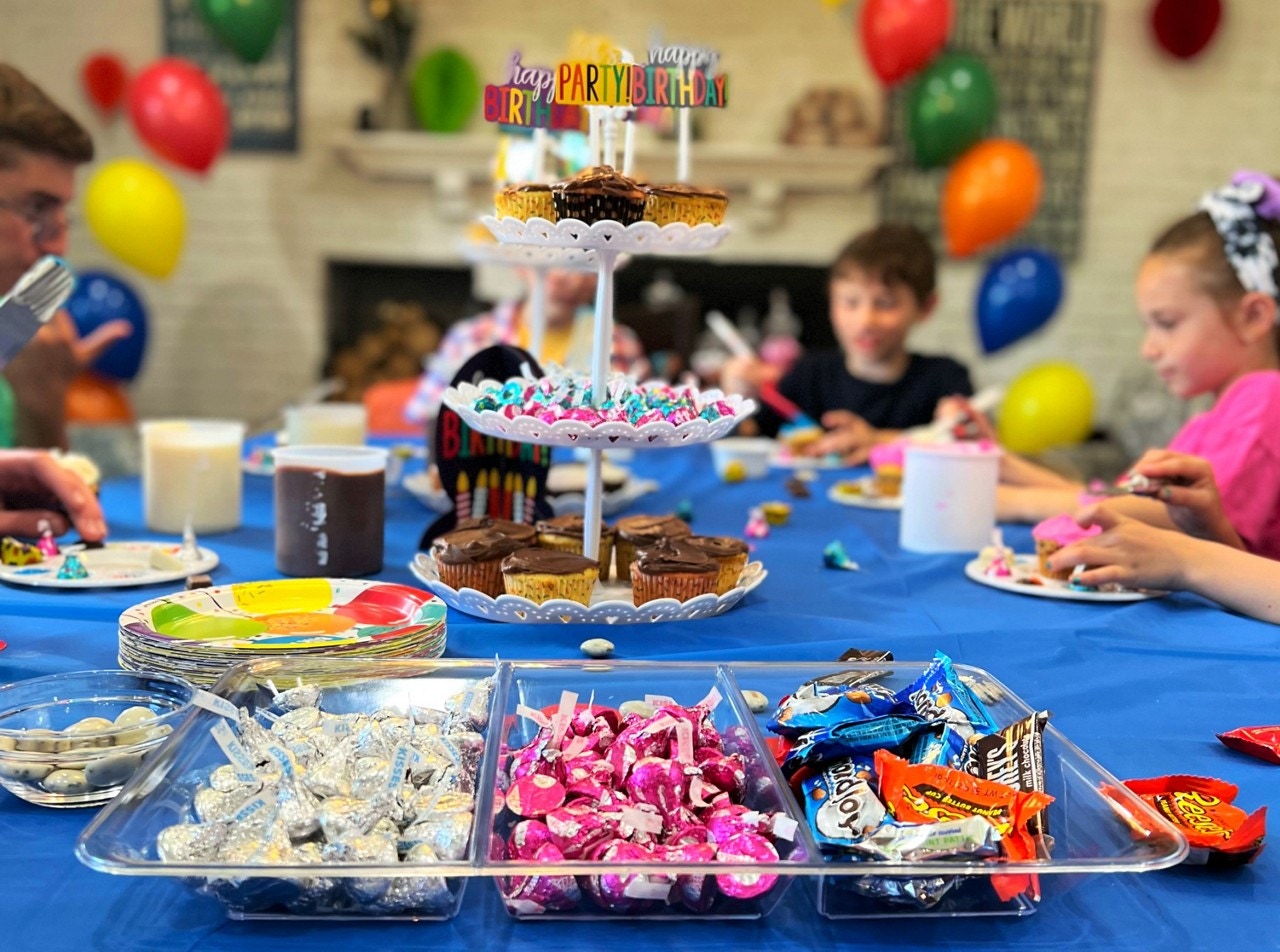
column 638, row 532
column 472, row 558
column 566, row 534
column 599, row 194
column 672, row 568
column 531, row 200
column 665, row 204
column 543, row 574
column 730, row 556
column 524, row 534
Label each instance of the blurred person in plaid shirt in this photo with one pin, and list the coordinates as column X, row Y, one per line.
column 566, row 341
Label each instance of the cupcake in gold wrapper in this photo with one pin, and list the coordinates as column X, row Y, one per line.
column 638, row 532
column 531, row 200
column 566, row 534
column 729, row 554
column 472, row 558
column 664, row 204
column 542, row 574
column 672, row 568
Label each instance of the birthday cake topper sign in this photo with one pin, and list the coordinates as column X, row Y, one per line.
column 681, row 77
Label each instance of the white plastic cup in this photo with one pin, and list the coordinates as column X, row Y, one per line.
column 191, row 469
column 949, row 496
column 326, row 424
column 330, row 510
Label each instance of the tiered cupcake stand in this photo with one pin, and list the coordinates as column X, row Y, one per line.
column 605, row 241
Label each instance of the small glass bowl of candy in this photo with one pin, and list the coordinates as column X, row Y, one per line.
column 73, row 740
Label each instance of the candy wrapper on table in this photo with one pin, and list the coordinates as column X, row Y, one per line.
column 1202, row 808
column 1260, row 742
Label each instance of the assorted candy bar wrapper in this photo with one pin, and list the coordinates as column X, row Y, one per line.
column 922, row 773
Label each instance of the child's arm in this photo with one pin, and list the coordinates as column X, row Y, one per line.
column 1137, row 555
column 1036, row 503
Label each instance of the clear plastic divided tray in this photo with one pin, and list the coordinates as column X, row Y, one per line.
column 1087, row 818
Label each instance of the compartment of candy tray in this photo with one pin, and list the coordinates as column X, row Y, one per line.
column 1086, row 820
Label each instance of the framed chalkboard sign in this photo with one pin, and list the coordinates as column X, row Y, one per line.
column 1042, row 55
column 262, row 97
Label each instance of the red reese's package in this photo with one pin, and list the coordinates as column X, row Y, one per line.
column 1201, row 808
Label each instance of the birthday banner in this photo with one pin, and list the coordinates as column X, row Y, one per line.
column 681, row 77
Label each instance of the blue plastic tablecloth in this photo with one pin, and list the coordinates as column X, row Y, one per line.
column 1140, row 687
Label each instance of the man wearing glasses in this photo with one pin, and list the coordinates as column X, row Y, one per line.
column 40, row 148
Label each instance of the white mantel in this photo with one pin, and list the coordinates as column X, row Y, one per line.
column 760, row 178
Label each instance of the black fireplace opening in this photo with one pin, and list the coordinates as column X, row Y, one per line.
column 383, row 320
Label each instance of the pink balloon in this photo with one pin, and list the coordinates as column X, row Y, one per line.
column 901, row 36
column 180, row 113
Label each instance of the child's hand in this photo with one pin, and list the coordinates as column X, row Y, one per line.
column 848, row 436
column 1127, row 552
column 962, row 413
column 1190, row 494
column 746, row 375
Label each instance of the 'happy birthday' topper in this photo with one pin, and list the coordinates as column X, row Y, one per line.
column 682, row 77
column 527, row 98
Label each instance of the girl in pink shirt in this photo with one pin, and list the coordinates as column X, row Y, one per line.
column 1207, row 292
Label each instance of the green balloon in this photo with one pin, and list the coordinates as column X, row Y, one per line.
column 445, row 90
column 950, row 108
column 247, row 26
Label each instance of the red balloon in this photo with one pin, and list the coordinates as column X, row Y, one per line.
column 1183, row 28
column 180, row 113
column 104, row 79
column 901, row 36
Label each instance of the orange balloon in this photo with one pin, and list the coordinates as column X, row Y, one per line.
column 94, row 399
column 990, row 193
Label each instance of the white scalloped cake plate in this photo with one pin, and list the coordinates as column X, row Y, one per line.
column 610, row 602
column 640, row 238
column 115, row 565
column 533, row 256
column 527, row 429
column 865, row 498
column 1025, row 567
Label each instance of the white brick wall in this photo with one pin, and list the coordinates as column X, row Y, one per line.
column 238, row 329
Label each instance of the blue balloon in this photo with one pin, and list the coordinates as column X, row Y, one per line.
column 1020, row 292
column 100, row 297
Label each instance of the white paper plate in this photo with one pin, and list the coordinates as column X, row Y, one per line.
column 868, row 498
column 785, row 459
column 116, row 565
column 426, row 492
column 1026, row 566
column 610, row 604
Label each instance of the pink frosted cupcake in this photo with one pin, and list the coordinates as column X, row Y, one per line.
column 886, row 461
column 1052, row 535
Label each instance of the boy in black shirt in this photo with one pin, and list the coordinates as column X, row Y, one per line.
column 872, row 388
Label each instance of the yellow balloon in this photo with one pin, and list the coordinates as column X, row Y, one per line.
column 138, row 215
column 1049, row 405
